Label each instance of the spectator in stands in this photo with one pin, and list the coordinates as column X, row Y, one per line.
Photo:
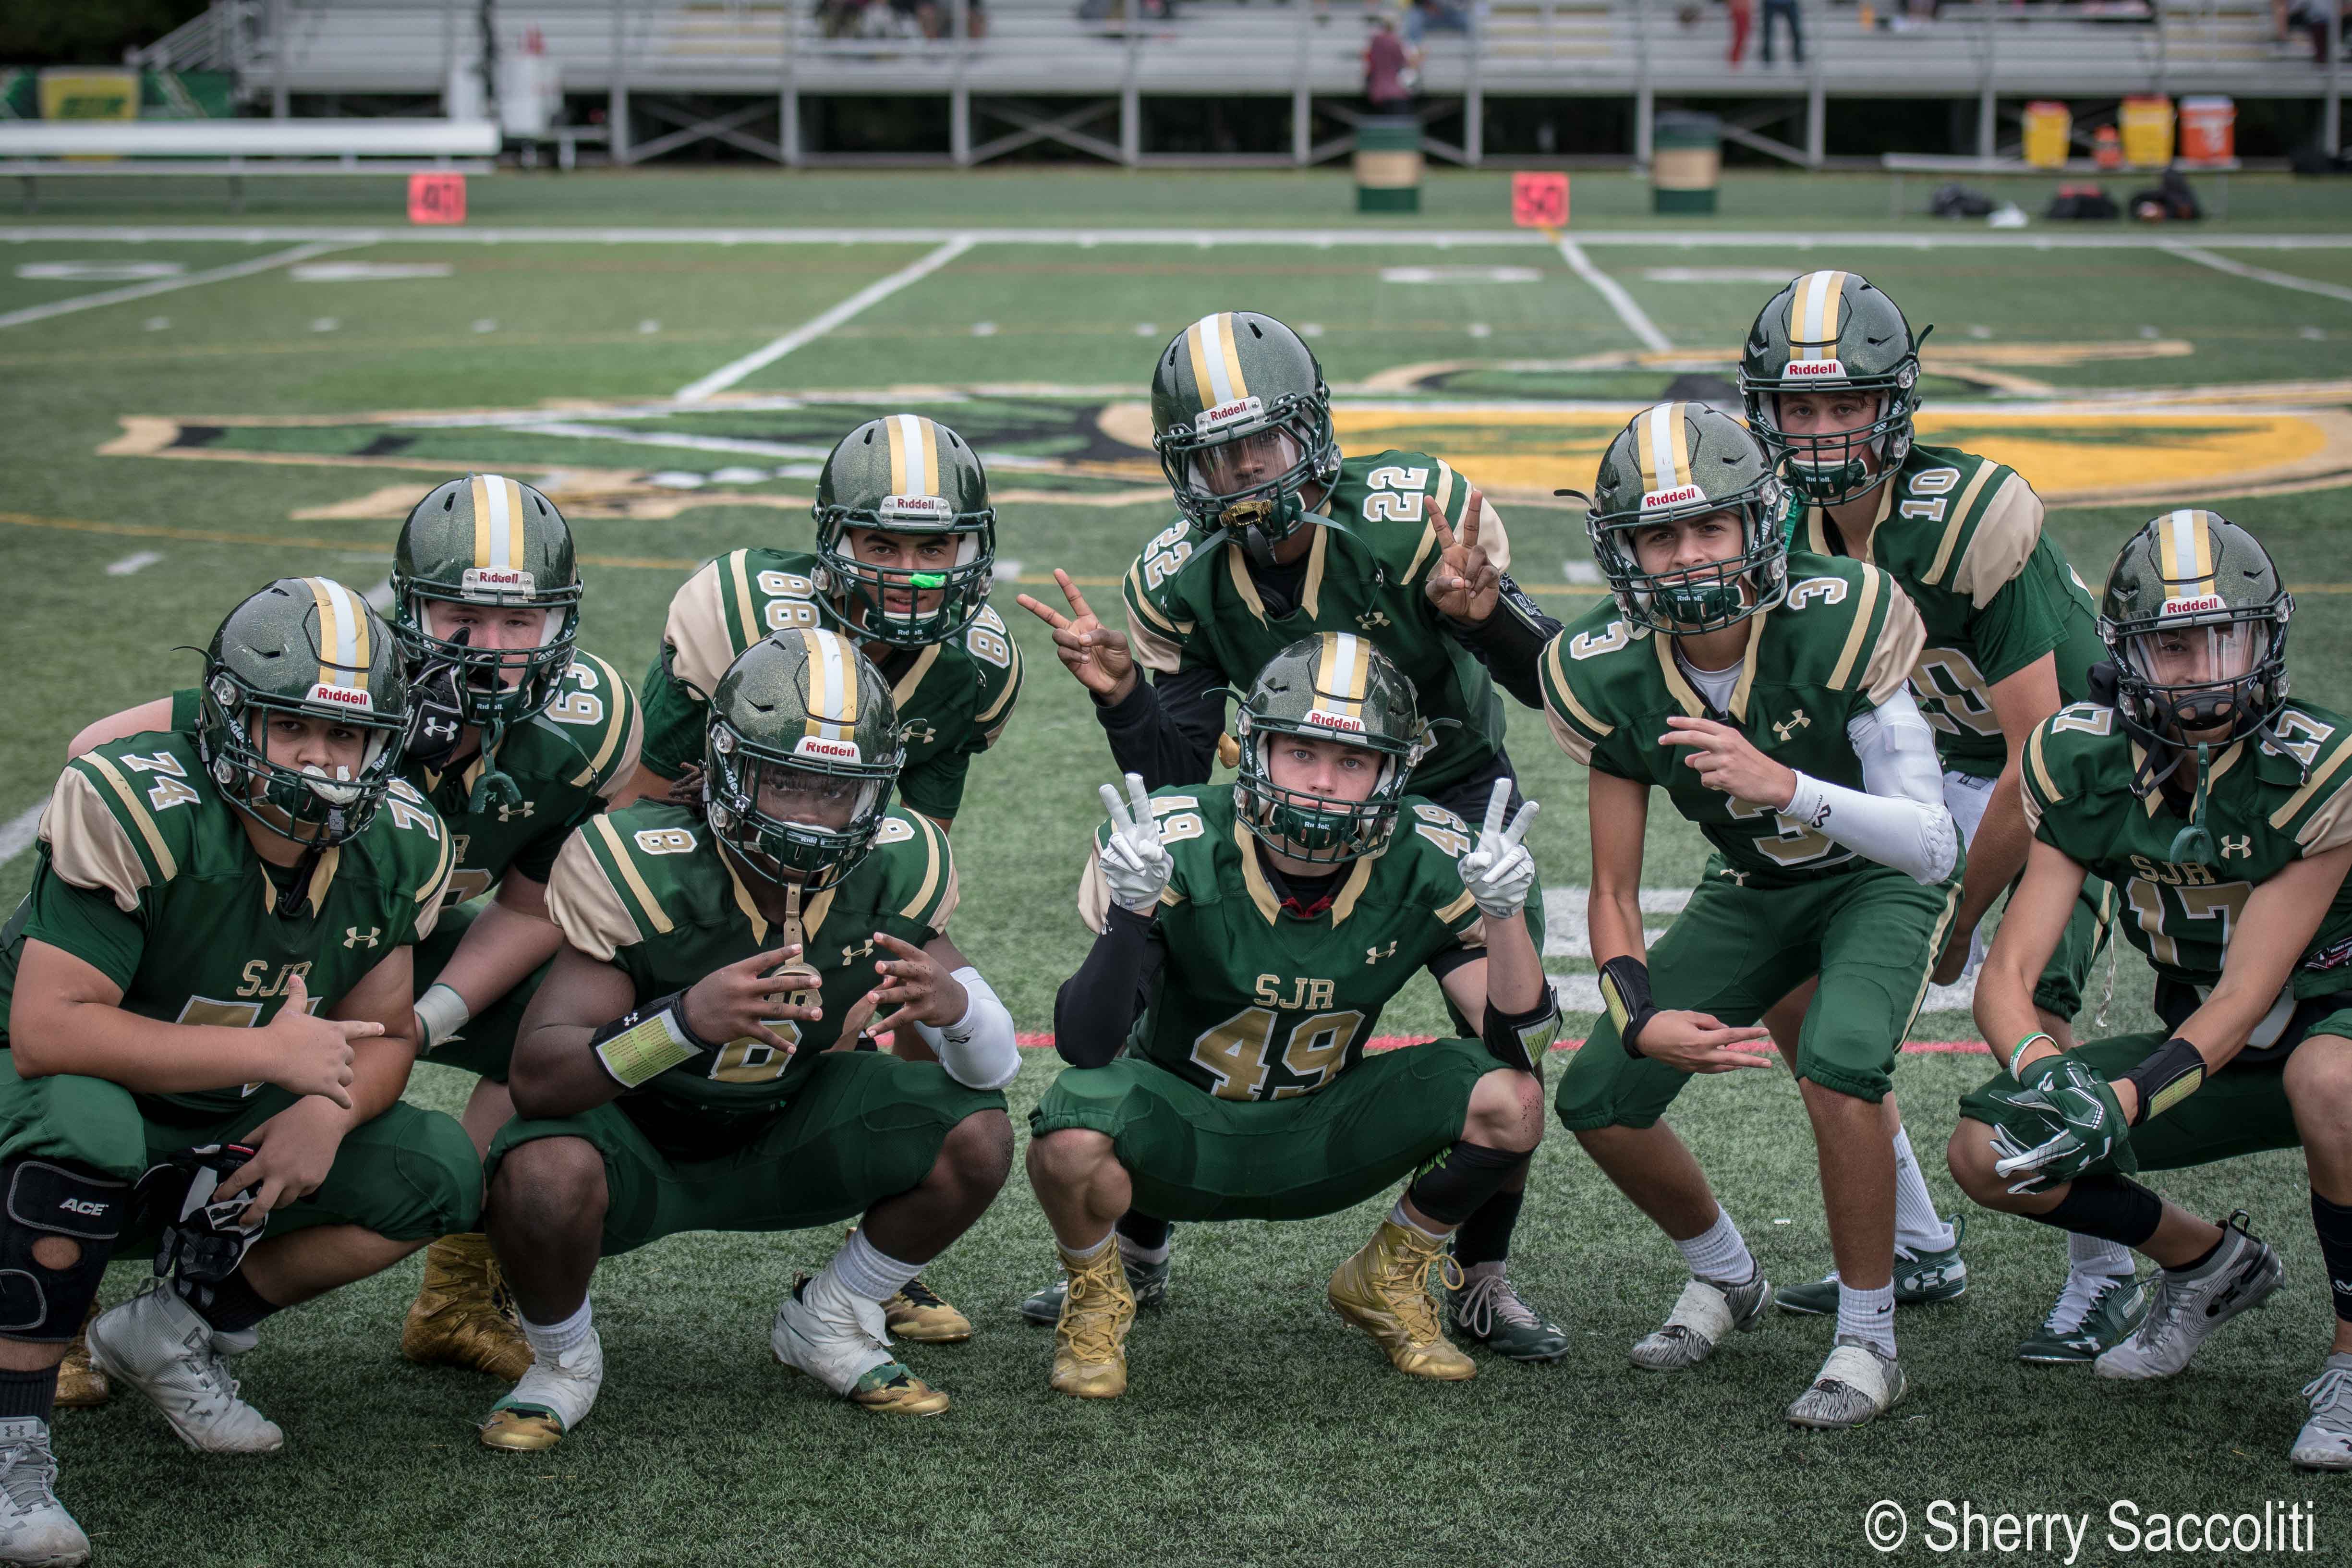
column 1784, row 11
column 1389, row 76
column 1743, row 22
column 1422, row 17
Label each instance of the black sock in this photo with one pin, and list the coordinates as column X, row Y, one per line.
column 2113, row 1208
column 2333, row 1223
column 1452, row 1190
column 1144, row 1231
column 229, row 1306
column 1486, row 1236
column 24, row 1393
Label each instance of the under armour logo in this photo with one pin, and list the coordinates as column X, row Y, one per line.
column 852, row 954
column 440, row 728
column 2244, row 846
column 1372, row 620
column 508, row 813
column 1795, row 722
column 354, row 937
column 917, row 733
column 1739, row 876
column 1374, row 954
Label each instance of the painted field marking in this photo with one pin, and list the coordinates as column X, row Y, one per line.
column 1460, row 275
column 32, row 313
column 1636, row 320
column 368, row 271
column 1714, row 275
column 99, row 272
column 808, row 332
column 18, row 833
column 2204, row 257
column 136, row 561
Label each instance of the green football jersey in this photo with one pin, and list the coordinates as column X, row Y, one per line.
column 1963, row 535
column 146, row 875
column 1189, row 606
column 954, row 699
column 1256, row 1003
column 2260, row 809
column 1843, row 643
column 646, row 889
column 568, row 761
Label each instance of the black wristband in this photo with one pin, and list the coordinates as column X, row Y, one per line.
column 1625, row 990
column 2165, row 1077
column 1520, row 1040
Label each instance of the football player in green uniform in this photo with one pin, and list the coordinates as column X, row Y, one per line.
column 686, row 1065
column 1282, row 537
column 2222, row 810
column 1829, row 372
column 520, row 735
column 1263, row 928
column 906, row 547
column 1766, row 692
column 211, row 978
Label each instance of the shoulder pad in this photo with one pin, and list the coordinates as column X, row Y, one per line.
column 1991, row 518
column 1857, row 618
column 918, row 867
column 422, row 849
column 1573, row 667
column 597, row 718
column 1439, row 840
column 125, row 815
column 732, row 603
column 602, row 891
column 2077, row 753
column 1158, row 620
column 2319, row 811
column 997, row 673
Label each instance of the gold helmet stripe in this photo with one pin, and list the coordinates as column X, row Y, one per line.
column 1342, row 673
column 914, row 455
column 833, row 685
column 1813, row 315
column 930, row 465
column 2185, row 555
column 1216, row 364
column 1663, row 443
column 344, row 644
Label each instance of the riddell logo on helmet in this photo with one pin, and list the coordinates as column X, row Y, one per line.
column 342, row 697
column 1680, row 495
column 498, row 580
column 1322, row 720
column 2196, row 606
column 915, row 508
column 1816, row 370
column 1226, row 413
column 839, row 751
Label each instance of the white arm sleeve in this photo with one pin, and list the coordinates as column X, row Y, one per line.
column 1898, row 819
column 977, row 1050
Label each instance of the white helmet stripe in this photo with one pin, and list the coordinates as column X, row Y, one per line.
column 834, row 674
column 342, row 652
column 1658, row 441
column 502, row 496
column 1214, row 351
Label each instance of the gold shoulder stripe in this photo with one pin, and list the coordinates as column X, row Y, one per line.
column 438, row 883
column 2302, row 797
column 430, row 897
column 1567, row 694
column 1140, row 602
column 157, row 849
column 988, row 715
column 914, row 909
column 1959, row 523
column 619, row 853
column 738, row 575
column 2039, row 765
column 1458, row 909
column 1261, row 891
column 620, row 719
column 1866, row 611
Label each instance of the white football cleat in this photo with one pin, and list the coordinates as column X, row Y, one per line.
column 2191, row 1303
column 158, row 1345
column 1703, row 1315
column 1855, row 1384
column 2326, row 1441
column 841, row 1340
column 34, row 1527
column 554, row 1398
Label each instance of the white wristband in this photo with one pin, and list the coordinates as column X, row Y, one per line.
column 440, row 1013
column 978, row 1049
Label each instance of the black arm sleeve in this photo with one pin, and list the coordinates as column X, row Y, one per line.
column 1097, row 1007
column 1510, row 641
column 1167, row 730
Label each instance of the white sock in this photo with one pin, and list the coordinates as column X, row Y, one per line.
column 1082, row 1254
column 1398, row 1216
column 1917, row 1226
column 865, row 1271
column 550, row 1340
column 1134, row 1252
column 1868, row 1316
column 2097, row 1255
column 1718, row 1254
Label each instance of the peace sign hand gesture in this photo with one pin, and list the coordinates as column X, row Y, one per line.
column 1463, row 584
column 1135, row 863
column 1500, row 871
column 1090, row 650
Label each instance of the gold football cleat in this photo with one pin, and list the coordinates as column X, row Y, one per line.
column 916, row 1313
column 1090, row 1339
column 892, row 1390
column 522, row 1429
column 81, row 1385
column 1383, row 1289
column 460, row 1317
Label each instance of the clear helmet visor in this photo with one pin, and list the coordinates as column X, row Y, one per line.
column 805, row 798
column 2181, row 658
column 1246, row 462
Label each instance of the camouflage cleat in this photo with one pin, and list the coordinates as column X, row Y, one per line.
column 1856, row 1385
column 916, row 1313
column 1383, row 1289
column 1487, row 1309
column 2094, row 1313
column 1703, row 1314
column 550, row 1399
column 81, row 1386
column 1090, row 1338
column 1147, row 1281
column 460, row 1317
column 839, row 1340
column 1920, row 1277
column 2191, row 1303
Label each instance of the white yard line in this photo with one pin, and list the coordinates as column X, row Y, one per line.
column 138, row 561
column 31, row 313
column 16, row 834
column 1637, row 320
column 808, row 332
column 2204, row 257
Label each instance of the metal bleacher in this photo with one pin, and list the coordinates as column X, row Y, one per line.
column 1025, row 62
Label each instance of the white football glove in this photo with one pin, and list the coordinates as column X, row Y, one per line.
column 1135, row 863
column 1500, row 871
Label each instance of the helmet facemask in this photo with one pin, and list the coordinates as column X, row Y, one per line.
column 479, row 675
column 1704, row 598
column 1207, row 465
column 906, row 606
column 304, row 803
column 2183, row 677
column 747, row 788
column 1832, row 467
column 1322, row 830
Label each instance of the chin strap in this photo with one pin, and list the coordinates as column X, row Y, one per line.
column 2193, row 845
column 493, row 788
column 296, row 893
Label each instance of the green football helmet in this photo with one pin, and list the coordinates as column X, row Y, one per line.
column 1679, row 460
column 1333, row 686
column 488, row 541
column 2195, row 619
column 1242, row 421
column 1833, row 330
column 802, row 726
column 310, row 646
column 904, row 474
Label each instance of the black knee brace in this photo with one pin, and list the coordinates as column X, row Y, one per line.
column 43, row 1199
